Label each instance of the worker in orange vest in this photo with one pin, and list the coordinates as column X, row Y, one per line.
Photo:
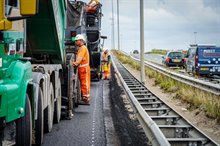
column 92, row 6
column 82, row 62
column 106, row 67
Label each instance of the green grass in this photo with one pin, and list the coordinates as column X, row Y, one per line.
column 207, row 102
column 157, row 51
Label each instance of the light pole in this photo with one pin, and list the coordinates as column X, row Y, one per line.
column 142, row 40
column 118, row 24
column 113, row 30
column 121, row 39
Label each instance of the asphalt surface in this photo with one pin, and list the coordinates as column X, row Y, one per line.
column 87, row 127
column 106, row 122
column 157, row 58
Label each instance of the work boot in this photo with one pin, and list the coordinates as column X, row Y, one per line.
column 86, row 99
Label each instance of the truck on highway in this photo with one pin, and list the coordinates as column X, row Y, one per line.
column 37, row 83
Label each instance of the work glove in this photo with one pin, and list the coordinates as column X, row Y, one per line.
column 73, row 63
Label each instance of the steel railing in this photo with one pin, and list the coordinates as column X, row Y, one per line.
column 162, row 125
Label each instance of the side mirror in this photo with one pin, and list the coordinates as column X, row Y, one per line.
column 163, row 57
column 28, row 7
column 104, row 37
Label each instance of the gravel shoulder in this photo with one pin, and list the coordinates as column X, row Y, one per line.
column 198, row 118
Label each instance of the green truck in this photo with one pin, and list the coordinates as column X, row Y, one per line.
column 35, row 84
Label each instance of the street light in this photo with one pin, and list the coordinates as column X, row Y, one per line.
column 142, row 40
column 113, row 30
column 121, row 39
column 118, row 24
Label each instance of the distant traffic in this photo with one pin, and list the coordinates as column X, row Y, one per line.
column 198, row 60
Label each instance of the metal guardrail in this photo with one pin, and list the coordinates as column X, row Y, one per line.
column 206, row 86
column 163, row 126
column 152, row 131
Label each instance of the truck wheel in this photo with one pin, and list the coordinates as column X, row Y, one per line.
column 24, row 126
column 57, row 109
column 49, row 112
column 39, row 125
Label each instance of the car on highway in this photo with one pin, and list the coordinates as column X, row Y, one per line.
column 135, row 52
column 203, row 60
column 173, row 58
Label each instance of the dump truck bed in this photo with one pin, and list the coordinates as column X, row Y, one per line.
column 45, row 31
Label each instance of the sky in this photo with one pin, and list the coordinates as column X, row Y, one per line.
column 168, row 24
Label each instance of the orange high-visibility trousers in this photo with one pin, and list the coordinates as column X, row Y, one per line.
column 84, row 77
column 107, row 70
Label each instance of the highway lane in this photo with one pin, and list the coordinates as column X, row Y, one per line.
column 156, row 58
column 107, row 121
column 87, row 126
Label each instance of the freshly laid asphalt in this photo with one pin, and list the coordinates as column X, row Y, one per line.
column 106, row 122
column 87, row 126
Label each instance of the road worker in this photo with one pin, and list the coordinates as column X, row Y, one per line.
column 82, row 62
column 106, row 67
column 92, row 6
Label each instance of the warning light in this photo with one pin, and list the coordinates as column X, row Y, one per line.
column 73, row 33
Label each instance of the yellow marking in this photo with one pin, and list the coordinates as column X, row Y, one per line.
column 204, row 68
column 176, row 60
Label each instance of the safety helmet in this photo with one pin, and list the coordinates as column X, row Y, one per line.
column 79, row 37
column 106, row 51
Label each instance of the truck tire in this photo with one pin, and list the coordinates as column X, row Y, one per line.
column 57, row 108
column 49, row 111
column 39, row 123
column 24, row 126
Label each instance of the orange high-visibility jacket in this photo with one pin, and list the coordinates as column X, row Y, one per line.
column 92, row 6
column 106, row 65
column 105, row 57
column 82, row 57
column 82, row 61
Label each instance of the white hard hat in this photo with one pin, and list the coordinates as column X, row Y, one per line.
column 106, row 51
column 79, row 37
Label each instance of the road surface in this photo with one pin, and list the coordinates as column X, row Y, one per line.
column 87, row 126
